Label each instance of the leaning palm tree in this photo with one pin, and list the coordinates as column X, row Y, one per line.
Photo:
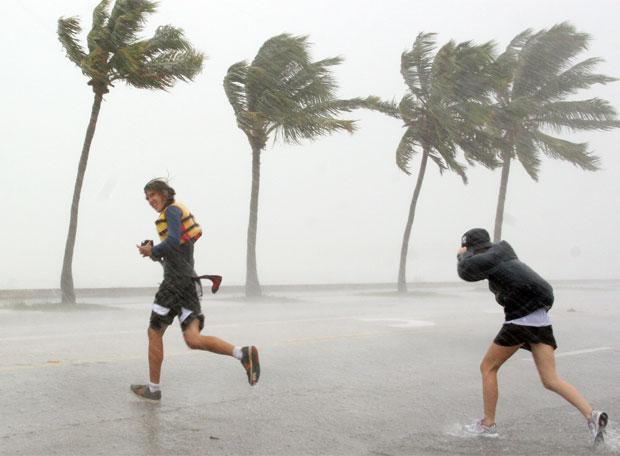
column 444, row 111
column 532, row 80
column 285, row 94
column 116, row 54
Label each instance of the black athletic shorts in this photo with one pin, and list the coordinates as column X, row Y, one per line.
column 176, row 294
column 511, row 335
column 159, row 321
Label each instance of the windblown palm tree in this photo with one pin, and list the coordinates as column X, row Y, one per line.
column 532, row 80
column 443, row 112
column 284, row 93
column 116, row 54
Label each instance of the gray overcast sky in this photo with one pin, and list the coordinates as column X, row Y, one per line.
column 332, row 210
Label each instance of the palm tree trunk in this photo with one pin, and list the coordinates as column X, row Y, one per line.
column 66, row 277
column 252, row 285
column 402, row 281
column 501, row 200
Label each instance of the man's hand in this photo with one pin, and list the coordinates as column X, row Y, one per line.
column 145, row 250
column 461, row 250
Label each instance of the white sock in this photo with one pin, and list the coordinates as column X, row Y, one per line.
column 154, row 387
column 237, row 353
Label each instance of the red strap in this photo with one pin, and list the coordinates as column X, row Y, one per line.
column 216, row 279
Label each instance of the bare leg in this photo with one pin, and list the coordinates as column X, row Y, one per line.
column 492, row 361
column 545, row 363
column 196, row 341
column 156, row 352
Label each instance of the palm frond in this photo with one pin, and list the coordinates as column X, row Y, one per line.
column 407, row 148
column 578, row 77
column 416, row 65
column 98, row 37
column 409, row 108
column 95, row 66
column 284, row 93
column 279, row 51
column 308, row 84
column 503, row 69
column 518, row 43
column 282, row 57
column 449, row 112
column 334, row 107
column 447, row 155
column 320, row 117
column 127, row 19
column 167, row 55
column 460, row 71
column 544, row 74
column 283, row 66
column 479, row 149
column 165, row 38
column 592, row 114
column 116, row 54
column 374, row 103
column 477, row 143
column 126, row 61
column 300, row 126
column 234, row 87
column 278, row 107
column 162, row 71
column 438, row 159
column 546, row 54
column 68, row 29
column 575, row 153
column 440, row 139
column 527, row 153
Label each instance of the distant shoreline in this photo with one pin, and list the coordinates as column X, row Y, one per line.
column 149, row 291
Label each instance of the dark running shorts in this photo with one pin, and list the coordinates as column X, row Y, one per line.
column 159, row 321
column 175, row 295
column 511, row 335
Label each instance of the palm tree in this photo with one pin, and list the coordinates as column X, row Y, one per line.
column 443, row 111
column 116, row 54
column 532, row 80
column 284, row 93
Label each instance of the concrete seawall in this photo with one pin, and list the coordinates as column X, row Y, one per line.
column 45, row 293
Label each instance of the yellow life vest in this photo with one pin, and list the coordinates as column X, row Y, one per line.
column 189, row 227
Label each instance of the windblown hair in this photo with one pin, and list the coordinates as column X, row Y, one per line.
column 160, row 186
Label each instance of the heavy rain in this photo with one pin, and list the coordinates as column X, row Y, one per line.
column 325, row 160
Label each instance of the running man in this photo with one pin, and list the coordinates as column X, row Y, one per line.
column 180, row 292
column 526, row 298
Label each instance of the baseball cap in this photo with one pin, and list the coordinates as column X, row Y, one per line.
column 476, row 239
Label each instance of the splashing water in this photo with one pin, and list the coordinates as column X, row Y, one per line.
column 456, row 430
column 612, row 437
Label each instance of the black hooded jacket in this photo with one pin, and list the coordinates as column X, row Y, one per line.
column 516, row 286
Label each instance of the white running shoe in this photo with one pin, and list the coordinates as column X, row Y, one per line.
column 479, row 428
column 597, row 424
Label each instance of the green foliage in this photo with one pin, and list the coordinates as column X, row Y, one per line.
column 284, row 93
column 532, row 80
column 115, row 52
column 68, row 29
column 446, row 106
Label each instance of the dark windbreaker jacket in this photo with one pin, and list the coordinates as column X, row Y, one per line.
column 516, row 286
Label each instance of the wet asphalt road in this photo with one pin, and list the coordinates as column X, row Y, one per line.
column 358, row 372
